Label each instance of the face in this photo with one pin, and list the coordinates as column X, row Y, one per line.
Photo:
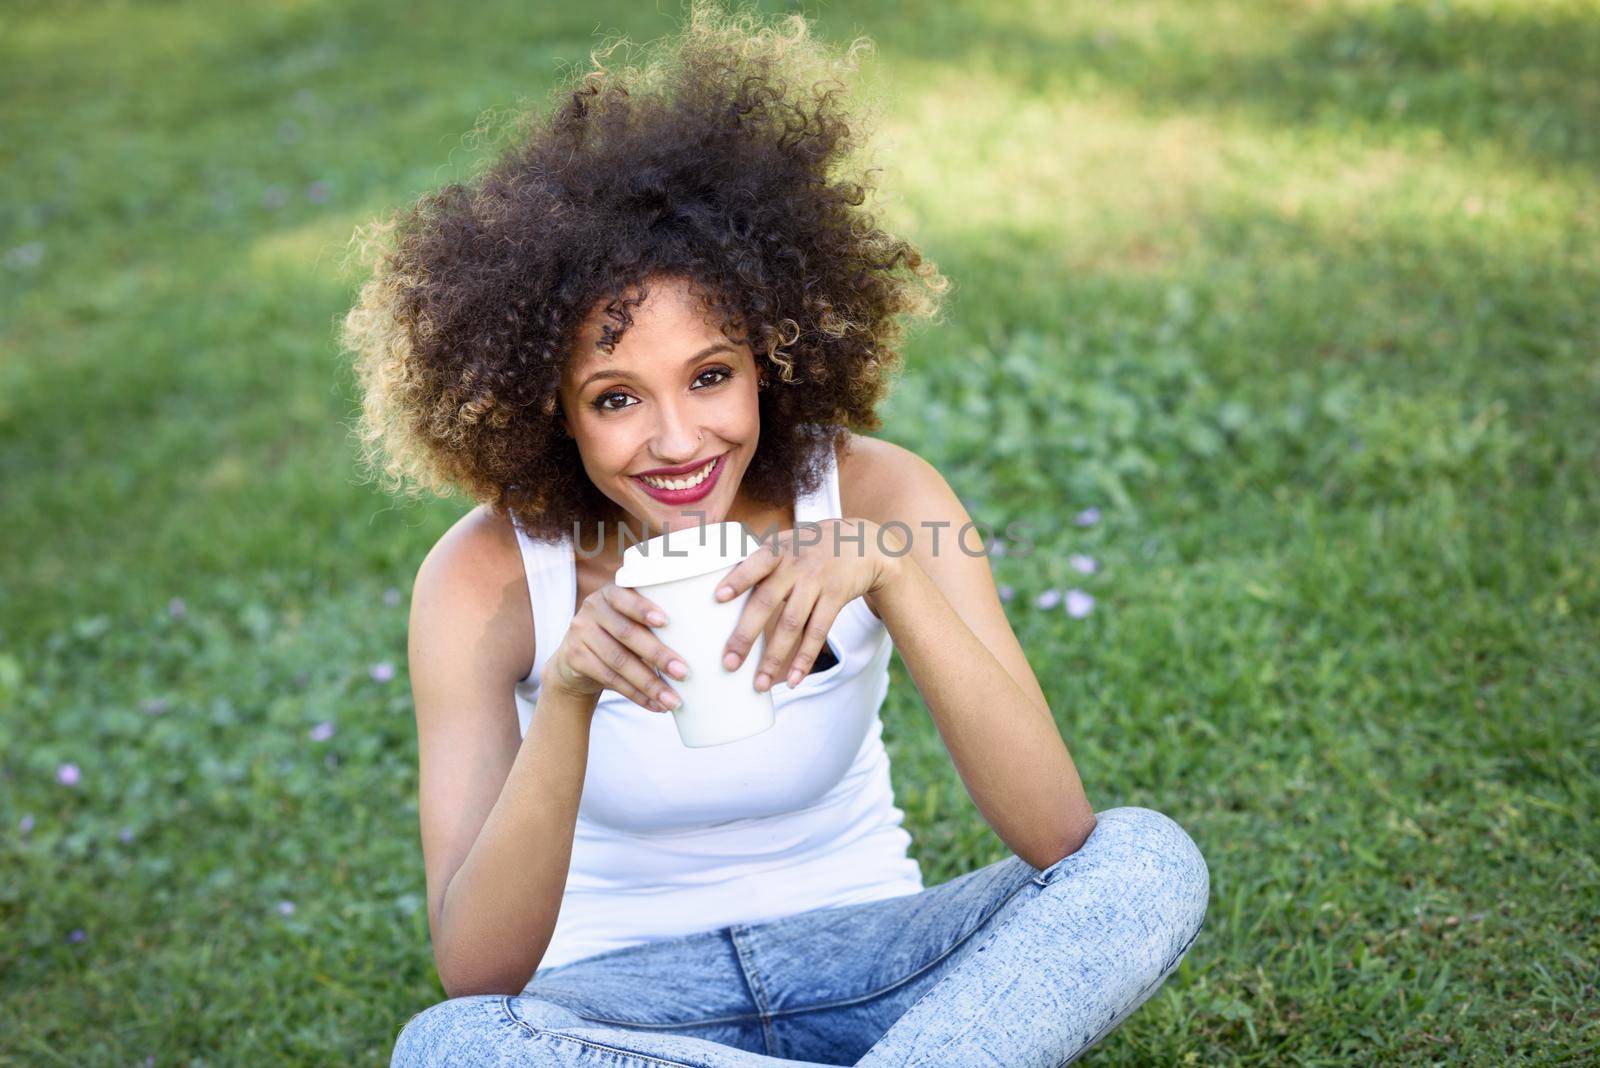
column 668, row 421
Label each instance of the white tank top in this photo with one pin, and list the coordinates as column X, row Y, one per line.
column 672, row 840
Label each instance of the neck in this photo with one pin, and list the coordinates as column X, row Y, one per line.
column 622, row 528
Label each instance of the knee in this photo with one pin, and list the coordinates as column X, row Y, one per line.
column 445, row 1032
column 1156, row 861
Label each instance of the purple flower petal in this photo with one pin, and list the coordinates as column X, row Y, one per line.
column 1079, row 603
column 1088, row 517
column 125, row 835
column 25, row 824
column 1048, row 599
column 155, row 706
column 1085, row 564
column 996, row 547
column 391, row 596
column 176, row 608
column 322, row 732
column 68, row 775
column 317, row 192
column 25, row 256
column 382, row 671
column 78, row 935
column 286, row 908
column 1006, row 592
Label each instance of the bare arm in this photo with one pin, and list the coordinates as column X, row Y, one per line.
column 497, row 811
column 500, row 907
column 943, row 611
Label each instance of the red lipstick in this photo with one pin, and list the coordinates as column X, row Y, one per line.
column 683, row 496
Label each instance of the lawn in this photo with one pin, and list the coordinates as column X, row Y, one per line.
column 1285, row 316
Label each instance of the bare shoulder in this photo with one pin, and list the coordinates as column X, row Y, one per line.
column 874, row 476
column 884, row 483
column 474, row 575
column 480, row 546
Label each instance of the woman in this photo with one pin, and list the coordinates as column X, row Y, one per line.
column 662, row 307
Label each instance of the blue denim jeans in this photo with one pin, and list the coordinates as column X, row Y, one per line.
column 1007, row 966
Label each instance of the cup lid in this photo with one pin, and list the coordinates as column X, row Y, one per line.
column 684, row 553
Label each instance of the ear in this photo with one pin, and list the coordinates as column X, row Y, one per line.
column 552, row 408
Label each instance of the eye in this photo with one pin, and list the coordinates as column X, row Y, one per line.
column 723, row 371
column 600, row 403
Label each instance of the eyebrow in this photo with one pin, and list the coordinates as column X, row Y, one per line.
column 618, row 372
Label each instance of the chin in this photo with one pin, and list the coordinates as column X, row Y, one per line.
column 685, row 514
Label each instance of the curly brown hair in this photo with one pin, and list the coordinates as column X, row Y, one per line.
column 723, row 160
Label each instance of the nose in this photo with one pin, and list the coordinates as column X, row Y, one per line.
column 677, row 436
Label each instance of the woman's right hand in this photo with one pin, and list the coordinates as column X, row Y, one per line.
column 609, row 646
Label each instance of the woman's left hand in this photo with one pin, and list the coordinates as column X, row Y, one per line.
column 808, row 574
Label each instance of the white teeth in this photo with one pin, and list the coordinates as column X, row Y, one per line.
column 681, row 483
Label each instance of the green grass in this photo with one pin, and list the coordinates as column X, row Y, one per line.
column 1302, row 297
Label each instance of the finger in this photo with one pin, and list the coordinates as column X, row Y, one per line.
column 625, row 673
column 628, row 630
column 751, row 570
column 785, row 640
column 590, row 665
column 642, row 649
column 634, row 605
column 764, row 602
column 823, row 613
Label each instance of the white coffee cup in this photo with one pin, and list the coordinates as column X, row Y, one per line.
column 680, row 571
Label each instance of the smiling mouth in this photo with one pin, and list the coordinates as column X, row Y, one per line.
column 683, row 482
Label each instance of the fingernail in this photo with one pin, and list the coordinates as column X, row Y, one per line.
column 730, row 661
column 794, row 678
column 724, row 591
column 678, row 668
column 763, row 680
column 669, row 699
column 657, row 619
